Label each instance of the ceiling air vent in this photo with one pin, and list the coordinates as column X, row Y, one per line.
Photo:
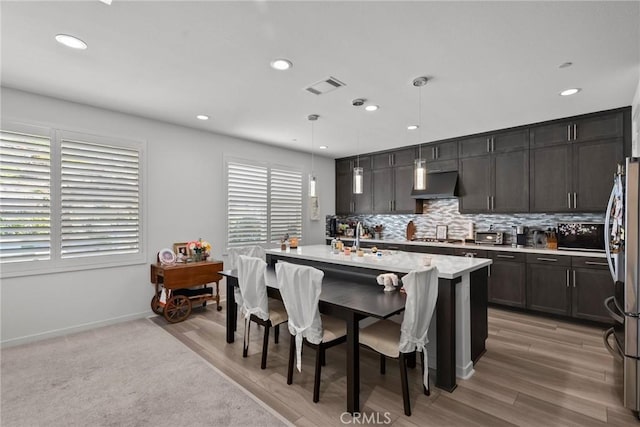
column 324, row 86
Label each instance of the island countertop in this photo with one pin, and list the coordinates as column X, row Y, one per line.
column 449, row 267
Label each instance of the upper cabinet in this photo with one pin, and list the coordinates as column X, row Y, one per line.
column 440, row 151
column 346, row 201
column 392, row 181
column 494, row 172
column 573, row 162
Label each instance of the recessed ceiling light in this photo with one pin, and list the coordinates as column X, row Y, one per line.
column 412, row 127
column 108, row 2
column 70, row 41
column 371, row 107
column 571, row 91
column 281, row 64
column 323, row 147
column 202, row 117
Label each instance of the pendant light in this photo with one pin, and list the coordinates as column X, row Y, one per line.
column 358, row 172
column 312, row 176
column 420, row 164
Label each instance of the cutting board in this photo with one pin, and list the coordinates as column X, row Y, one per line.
column 411, row 231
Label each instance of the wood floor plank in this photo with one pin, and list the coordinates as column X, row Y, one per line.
column 536, row 371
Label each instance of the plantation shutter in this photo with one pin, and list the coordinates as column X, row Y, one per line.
column 100, row 199
column 247, row 193
column 25, row 197
column 286, row 204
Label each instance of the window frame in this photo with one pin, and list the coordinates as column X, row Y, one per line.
column 56, row 264
column 269, row 166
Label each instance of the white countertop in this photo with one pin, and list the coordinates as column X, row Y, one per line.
column 449, row 267
column 471, row 246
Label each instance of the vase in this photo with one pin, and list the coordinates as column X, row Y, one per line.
column 197, row 256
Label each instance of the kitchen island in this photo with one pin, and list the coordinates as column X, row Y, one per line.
column 461, row 312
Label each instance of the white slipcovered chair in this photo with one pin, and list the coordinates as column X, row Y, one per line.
column 256, row 306
column 300, row 287
column 232, row 261
column 396, row 341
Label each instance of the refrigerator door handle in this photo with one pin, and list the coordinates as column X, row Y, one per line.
column 607, row 235
column 615, row 352
column 615, row 316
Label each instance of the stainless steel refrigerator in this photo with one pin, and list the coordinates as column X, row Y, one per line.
column 621, row 241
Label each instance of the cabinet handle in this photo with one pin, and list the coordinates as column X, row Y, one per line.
column 550, row 260
column 489, row 271
column 575, row 198
column 596, row 263
column 393, row 205
column 393, row 159
column 569, row 200
column 488, row 145
column 567, row 278
column 493, row 203
column 574, row 278
column 488, row 203
column 568, row 132
column 505, row 256
column 433, row 152
column 437, row 152
column 575, row 132
column 493, row 144
column 389, row 204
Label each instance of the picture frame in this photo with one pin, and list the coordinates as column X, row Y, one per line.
column 441, row 232
column 181, row 248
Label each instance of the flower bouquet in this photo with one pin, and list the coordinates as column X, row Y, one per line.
column 199, row 249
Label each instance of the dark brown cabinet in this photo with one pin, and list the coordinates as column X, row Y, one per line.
column 497, row 142
column 548, row 283
column 573, row 161
column 346, row 201
column 496, row 182
column 591, row 284
column 507, row 279
column 392, row 181
column 440, row 151
column 438, row 250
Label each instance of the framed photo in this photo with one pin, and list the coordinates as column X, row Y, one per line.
column 181, row 248
column 441, row 232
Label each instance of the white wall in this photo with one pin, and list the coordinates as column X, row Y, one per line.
column 185, row 199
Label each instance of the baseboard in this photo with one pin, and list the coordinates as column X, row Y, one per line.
column 73, row 329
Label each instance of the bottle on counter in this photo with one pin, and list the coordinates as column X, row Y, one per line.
column 334, row 246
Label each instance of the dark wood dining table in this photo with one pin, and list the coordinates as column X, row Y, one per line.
column 350, row 299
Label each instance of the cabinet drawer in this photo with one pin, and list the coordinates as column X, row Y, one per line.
column 507, row 256
column 590, row 262
column 476, row 253
column 439, row 250
column 560, row 260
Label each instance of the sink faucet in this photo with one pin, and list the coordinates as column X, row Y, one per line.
column 358, row 230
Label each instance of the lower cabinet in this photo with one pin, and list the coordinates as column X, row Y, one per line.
column 438, row 250
column 508, row 279
column 548, row 284
column 592, row 283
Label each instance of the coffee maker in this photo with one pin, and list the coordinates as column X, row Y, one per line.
column 333, row 227
column 520, row 236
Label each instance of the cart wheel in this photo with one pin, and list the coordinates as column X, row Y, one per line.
column 219, row 308
column 155, row 305
column 177, row 309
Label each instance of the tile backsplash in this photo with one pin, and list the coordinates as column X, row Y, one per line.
column 445, row 212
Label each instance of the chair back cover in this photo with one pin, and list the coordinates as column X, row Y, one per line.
column 232, row 263
column 421, row 287
column 253, row 286
column 300, row 287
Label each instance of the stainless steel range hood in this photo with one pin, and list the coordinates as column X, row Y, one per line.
column 440, row 185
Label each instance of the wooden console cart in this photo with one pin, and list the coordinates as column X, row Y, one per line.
column 176, row 279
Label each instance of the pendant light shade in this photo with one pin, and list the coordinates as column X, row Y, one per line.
column 420, row 174
column 358, row 180
column 312, row 177
column 420, row 164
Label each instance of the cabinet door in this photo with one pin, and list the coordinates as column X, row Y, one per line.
column 344, row 166
column 510, row 181
column 381, row 160
column 590, row 288
column 594, row 164
column 382, row 187
column 474, row 184
column 364, row 202
column 443, row 151
column 550, row 134
column 510, row 140
column 550, row 179
column 344, row 183
column 474, row 146
column 507, row 281
column 599, row 127
column 404, row 157
column 548, row 288
column 403, row 184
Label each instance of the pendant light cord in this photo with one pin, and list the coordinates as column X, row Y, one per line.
column 420, row 123
column 312, row 147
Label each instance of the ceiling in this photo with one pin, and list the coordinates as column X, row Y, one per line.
column 490, row 65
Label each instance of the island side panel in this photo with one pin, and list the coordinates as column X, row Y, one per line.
column 479, row 318
column 446, row 334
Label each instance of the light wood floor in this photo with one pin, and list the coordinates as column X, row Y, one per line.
column 536, row 372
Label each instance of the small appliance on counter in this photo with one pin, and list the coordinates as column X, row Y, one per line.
column 519, row 236
column 333, row 227
column 581, row 236
column 489, row 237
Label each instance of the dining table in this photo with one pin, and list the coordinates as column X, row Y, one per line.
column 350, row 292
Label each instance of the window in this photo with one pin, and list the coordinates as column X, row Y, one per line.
column 264, row 203
column 68, row 201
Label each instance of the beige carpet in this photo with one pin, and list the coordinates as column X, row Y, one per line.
column 130, row 374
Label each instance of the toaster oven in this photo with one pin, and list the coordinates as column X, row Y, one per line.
column 489, row 237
